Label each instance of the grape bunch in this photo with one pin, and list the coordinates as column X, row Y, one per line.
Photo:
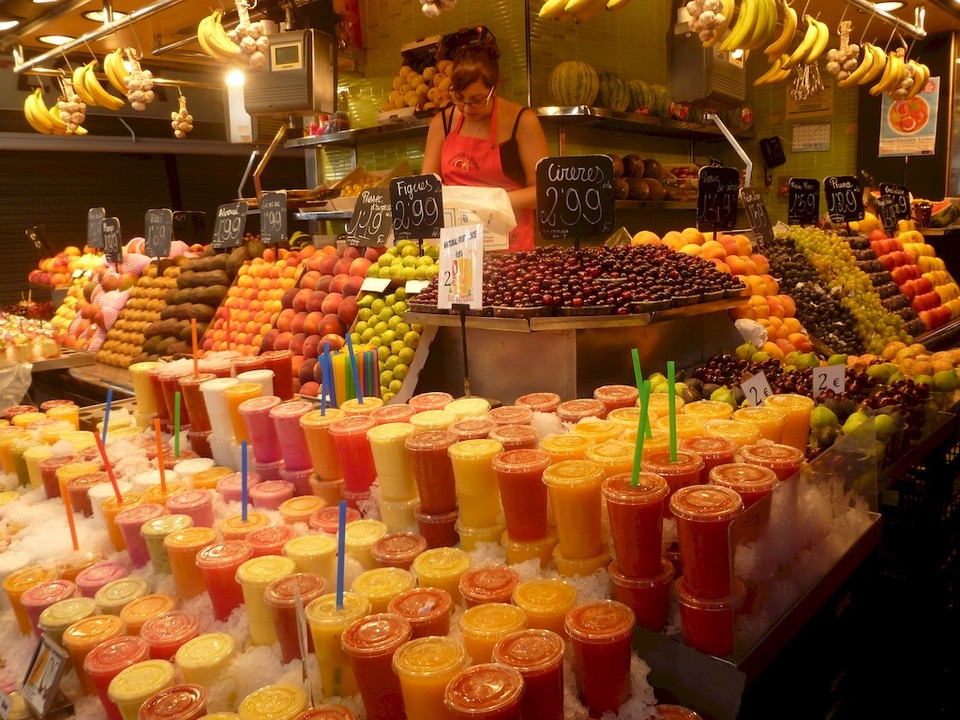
column 73, row 111
column 181, row 120
column 707, row 19
column 253, row 42
column 139, row 86
column 843, row 60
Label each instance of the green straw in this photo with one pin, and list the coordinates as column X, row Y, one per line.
column 638, row 375
column 672, row 406
column 643, row 421
column 176, row 424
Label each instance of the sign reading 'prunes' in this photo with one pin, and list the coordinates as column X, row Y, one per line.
column 273, row 217
column 158, row 232
column 717, row 198
column 230, row 224
column 803, row 201
column 575, row 196
column 94, row 229
column 112, row 240
column 756, row 211
column 417, row 207
column 900, row 195
column 844, row 198
column 371, row 222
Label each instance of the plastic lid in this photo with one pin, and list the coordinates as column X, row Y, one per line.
column 610, row 451
column 327, row 712
column 489, row 582
column 659, row 462
column 49, row 592
column 242, row 389
column 581, row 408
column 271, row 535
column 472, row 428
column 110, row 657
column 530, row 651
column 165, row 524
column 352, row 425
column 199, row 379
column 308, row 546
column 573, row 473
column 292, row 409
column 88, row 480
column 545, row 595
column 428, row 656
column 709, row 503
column 430, row 440
column 269, row 488
column 511, row 415
column 596, row 428
column 709, row 445
column 483, row 689
column 676, row 712
column 759, row 412
column 467, row 407
column 396, row 412
column 227, row 553
column 283, row 591
column 189, row 500
column 599, row 621
column 521, row 461
column 685, row 423
column 398, row 547
column 441, row 561
column 512, row 435
column 421, row 604
column 662, row 578
column 364, row 532
column 102, row 573
column 743, row 477
column 433, row 419
column 323, row 610
column 709, row 408
column 93, row 630
column 273, row 702
column 139, row 514
column 236, row 523
column 687, row 598
column 319, row 419
column 146, row 607
column 140, row 681
column 788, row 402
column 180, row 702
column 390, row 432
column 327, row 518
column 66, row 612
column 191, row 537
column 616, row 392
column 170, row 628
column 650, row 487
column 264, row 570
column 540, row 401
column 376, row 634
column 218, row 385
column 772, row 454
column 475, row 449
column 122, row 590
column 205, row 650
column 191, row 466
column 431, row 399
column 565, row 443
column 492, row 619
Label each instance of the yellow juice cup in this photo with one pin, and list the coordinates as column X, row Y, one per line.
column 597, row 430
column 113, row 597
column 323, row 453
column 478, row 492
column 688, row 426
column 273, row 702
column 484, row 625
column 353, row 406
column 518, row 551
column 327, row 624
column 316, row 554
column 67, row 413
column 25, row 420
column 659, row 405
column 709, row 409
column 83, row 636
column 545, row 601
column 796, row 421
column 433, row 420
column 299, row 509
column 425, row 666
column 18, row 582
column 61, row 615
column 203, row 659
column 110, row 508
column 134, row 685
column 142, row 389
column 392, row 460
column 628, row 417
column 467, row 407
column 441, row 568
column 769, row 421
column 380, row 585
column 236, row 528
column 51, row 433
column 359, row 537
column 574, row 487
column 565, row 447
column 234, row 395
column 33, row 456
column 737, row 431
column 614, row 456
column 254, row 575
column 80, row 439
column 7, row 439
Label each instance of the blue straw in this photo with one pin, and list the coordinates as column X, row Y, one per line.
column 243, row 480
column 353, row 368
column 106, row 415
column 341, row 551
column 328, row 373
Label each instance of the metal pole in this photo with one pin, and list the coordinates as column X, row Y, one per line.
column 736, row 146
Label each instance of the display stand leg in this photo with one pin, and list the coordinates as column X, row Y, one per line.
column 461, row 308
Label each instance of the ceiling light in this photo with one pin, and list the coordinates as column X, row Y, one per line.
column 45, row 2
column 889, row 6
column 56, row 39
column 8, row 24
column 236, row 78
column 98, row 16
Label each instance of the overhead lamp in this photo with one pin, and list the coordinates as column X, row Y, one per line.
column 236, row 78
column 8, row 25
column 45, row 2
column 56, row 40
column 889, row 6
column 99, row 16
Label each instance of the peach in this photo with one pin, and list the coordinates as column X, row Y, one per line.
column 311, row 347
column 310, row 279
column 735, row 263
column 744, row 245
column 773, row 350
column 692, row 235
column 792, row 324
column 673, row 240
column 306, row 370
column 315, row 302
column 336, row 285
column 692, row 249
column 342, row 267
column 324, row 284
column 296, row 343
column 800, row 341
column 351, row 286
column 789, row 306
column 331, row 303
column 773, row 287
column 776, row 308
column 300, row 299
column 351, row 253
column 310, row 389
column 729, row 244
column 311, row 323
column 318, row 370
column 721, row 266
column 646, row 237
column 270, row 339
column 758, row 307
column 763, row 265
column 359, row 267
column 712, row 249
column 334, row 341
column 332, row 325
column 347, row 311
column 326, row 264
column 373, row 254
column 296, row 326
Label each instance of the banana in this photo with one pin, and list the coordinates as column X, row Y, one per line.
column 890, row 82
column 867, row 63
column 779, row 46
column 97, row 91
column 774, row 69
column 59, row 126
column 616, row 4
column 221, row 40
column 219, row 47
column 888, row 71
column 823, row 37
column 590, row 10
column 36, row 113
column 552, row 10
column 766, row 10
column 78, row 85
column 806, row 45
column 921, row 74
column 746, row 22
column 116, row 70
column 879, row 62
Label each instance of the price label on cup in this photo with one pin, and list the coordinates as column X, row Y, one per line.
column 575, row 196
column 803, row 201
column 371, row 223
column 112, row 240
column 900, row 197
column 273, row 217
column 94, row 229
column 844, row 198
column 158, row 233
column 757, row 388
column 757, row 216
column 717, row 189
column 829, row 377
column 461, row 266
column 416, row 203
column 230, row 224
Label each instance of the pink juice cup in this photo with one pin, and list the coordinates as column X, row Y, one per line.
column 230, row 486
column 48, row 473
column 129, row 522
column 511, row 415
column 353, row 449
column 38, row 598
column 784, row 460
column 105, row 662
column 545, row 402
column 260, row 427
column 430, row 401
column 614, row 397
column 271, row 539
column 300, row 479
column 516, row 437
column 323, row 452
column 166, row 633
column 192, row 399
column 712, row 449
column 280, row 596
column 96, row 576
column 433, row 470
column 683, row 472
column 271, row 494
column 327, row 519
column 522, row 492
column 293, row 440
column 219, row 565
column 198, row 504
column 704, row 514
column 398, row 412
column 636, row 521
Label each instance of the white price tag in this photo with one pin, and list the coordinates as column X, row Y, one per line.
column 461, row 266
column 829, row 377
column 6, row 705
column 375, row 285
column 416, row 286
column 756, row 389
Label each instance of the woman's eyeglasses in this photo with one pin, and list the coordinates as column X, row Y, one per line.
column 458, row 99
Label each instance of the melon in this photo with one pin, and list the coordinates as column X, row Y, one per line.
column 574, row 83
column 943, row 213
column 660, row 103
column 614, row 93
column 637, row 189
column 640, row 97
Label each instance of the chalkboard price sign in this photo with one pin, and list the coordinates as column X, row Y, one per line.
column 717, row 198
column 900, row 195
column 112, row 240
column 273, row 217
column 158, row 231
column 803, row 201
column 575, row 196
column 371, row 222
column 886, row 206
column 94, row 229
column 230, row 224
column 757, row 215
column 417, row 206
column 844, row 198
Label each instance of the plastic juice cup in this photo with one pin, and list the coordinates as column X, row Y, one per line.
column 685, row 471
column 269, row 495
column 78, row 488
column 248, row 363
column 323, row 453
column 467, row 407
column 107, row 660
column 676, row 712
column 470, row 537
column 72, row 564
column 601, row 633
column 186, row 469
column 478, row 492
column 708, row 623
column 739, row 431
column 254, row 576
column 219, row 565
column 713, row 450
column 784, row 460
column 203, row 659
column 280, row 596
column 90, row 581
column 353, row 450
column 522, row 492
column 511, row 415
column 315, row 554
column 155, row 532
column 516, row 437
column 396, row 412
column 392, row 460
column 704, row 514
column 440, row 530
column 117, row 594
column 142, row 387
column 399, row 515
column 61, row 615
column 207, row 479
column 433, row 420
column 546, row 402
column 327, row 519
column 200, row 442
column 688, row 426
column 68, row 412
column 327, row 624
column 235, row 395
column 273, row 702
column 290, row 434
column 235, row 527
column 65, row 473
column 659, row 405
column 197, row 504
column 83, row 636
column 751, row 482
column 491, row 691
column 574, row 487
column 136, row 612
column 649, row 598
column 441, row 568
column 518, row 551
column 796, row 421
column 636, row 521
column 572, row 567
column 182, row 547
column 709, row 409
column 545, row 601
column 38, row 598
column 627, row 417
column 32, row 457
column 110, row 508
column 270, row 539
column 230, row 486
column 426, row 609
column 615, row 456
column 596, row 430
column 156, row 493
column 425, row 666
column 180, row 702
column 397, row 550
column 483, row 625
column 99, row 493
column 18, row 582
column 192, row 398
column 488, row 583
column 380, row 585
column 129, row 522
column 433, row 470
column 565, row 447
column 360, row 535
column 48, row 472
column 153, row 374
column 430, row 401
column 166, row 633
column 769, row 420
column 538, row 656
column 614, row 397
column 170, row 386
column 264, row 378
column 19, row 461
column 353, row 406
column 134, row 685
column 215, row 400
column 573, row 411
column 8, row 437
column 370, row 644
column 472, row 428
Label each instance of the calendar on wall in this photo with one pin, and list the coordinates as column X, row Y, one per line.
column 810, row 138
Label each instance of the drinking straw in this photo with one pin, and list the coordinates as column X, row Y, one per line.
column 70, row 521
column 109, row 468
column 160, row 463
column 341, row 551
column 302, row 638
column 353, row 369
column 642, row 422
column 176, row 424
column 324, row 379
column 328, row 375
column 106, row 414
column 196, row 350
column 243, row 480
column 672, row 408
column 638, row 376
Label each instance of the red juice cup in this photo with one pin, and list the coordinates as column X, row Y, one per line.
column 649, row 598
column 538, row 656
column 245, row 363
column 166, row 633
column 180, row 702
column 784, row 460
column 490, row 691
column 271, row 494
column 573, row 411
column 511, row 415
column 38, row 598
column 602, row 633
column 96, row 576
column 323, row 452
column 219, row 565
column 440, row 530
column 522, row 492
column 516, row 437
column 713, row 450
column 353, row 449
column 281, row 362
column 182, row 547
column 170, row 386
column 290, row 434
column 79, row 486
column 129, row 522
column 636, row 521
column 708, row 622
column 751, row 482
column 704, row 514
column 260, row 427
column 370, row 644
column 105, row 662
column 396, row 413
column 271, row 539
column 546, row 402
column 48, row 473
column 488, row 583
column 427, row 610
column 433, row 470
column 676, row 712
column 281, row 597
column 614, row 397
column 430, row 401
column 683, row 472
column 197, row 504
column 327, row 712
column 193, row 400
column 398, row 550
column 327, row 519
column 163, row 412
column 472, row 428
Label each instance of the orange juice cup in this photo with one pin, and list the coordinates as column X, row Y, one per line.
column 511, row 415
column 565, row 447
column 327, row 624
column 137, row 612
column 574, row 487
column 323, row 453
column 704, row 514
column 433, row 470
column 18, row 582
column 235, row 527
column 769, row 420
column 182, row 547
column 636, row 521
column 615, row 456
column 688, row 426
column 83, row 636
column 353, row 406
column 601, row 633
column 472, row 428
column 425, row 666
column 709, row 409
column 784, row 460
column 596, row 430
column 545, row 601
column 573, row 411
column 235, row 395
column 616, row 396
column 490, row 691
column 441, row 568
column 110, row 508
column 380, row 585
column 796, row 422
column 427, row 610
column 541, row 549
column 478, row 493
column 190, row 700
column 659, row 405
column 738, row 431
column 522, row 492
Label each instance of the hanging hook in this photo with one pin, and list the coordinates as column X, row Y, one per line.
column 66, row 60
column 92, row 53
column 846, row 6
column 886, row 48
column 867, row 26
column 805, row 8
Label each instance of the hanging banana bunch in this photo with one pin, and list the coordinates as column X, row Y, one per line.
column 88, row 87
column 578, row 10
column 755, row 23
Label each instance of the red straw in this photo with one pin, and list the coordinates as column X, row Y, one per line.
column 163, row 474
column 70, row 521
column 196, row 350
column 109, row 468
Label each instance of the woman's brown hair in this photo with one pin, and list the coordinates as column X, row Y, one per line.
column 476, row 61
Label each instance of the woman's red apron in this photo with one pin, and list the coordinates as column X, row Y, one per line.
column 476, row 162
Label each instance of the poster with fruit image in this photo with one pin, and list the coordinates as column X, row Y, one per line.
column 909, row 126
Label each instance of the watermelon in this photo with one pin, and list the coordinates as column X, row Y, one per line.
column 640, row 97
column 614, row 92
column 574, row 83
column 660, row 105
column 943, row 213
